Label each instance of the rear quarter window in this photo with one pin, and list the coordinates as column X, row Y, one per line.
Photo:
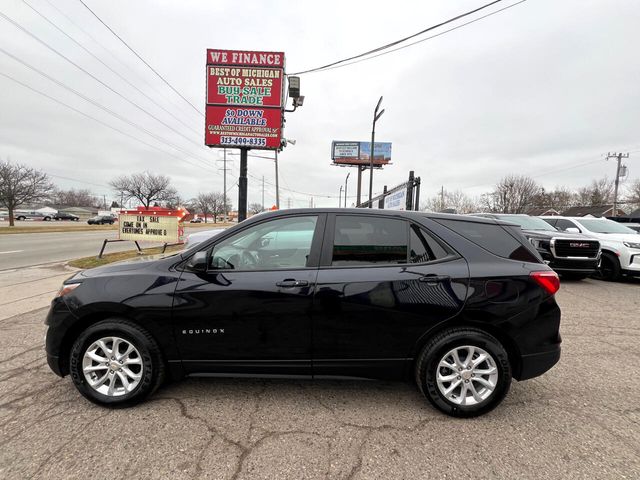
column 503, row 241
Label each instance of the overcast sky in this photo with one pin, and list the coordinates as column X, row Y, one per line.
column 545, row 88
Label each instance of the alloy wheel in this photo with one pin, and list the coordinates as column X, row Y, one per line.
column 467, row 375
column 112, row 366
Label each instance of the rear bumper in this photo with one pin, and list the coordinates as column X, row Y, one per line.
column 536, row 364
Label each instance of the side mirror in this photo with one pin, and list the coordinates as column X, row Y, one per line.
column 572, row 230
column 198, row 263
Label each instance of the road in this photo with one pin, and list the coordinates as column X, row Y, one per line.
column 27, row 249
column 579, row 420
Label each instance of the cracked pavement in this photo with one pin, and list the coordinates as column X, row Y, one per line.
column 580, row 420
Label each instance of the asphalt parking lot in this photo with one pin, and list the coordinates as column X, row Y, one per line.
column 580, row 420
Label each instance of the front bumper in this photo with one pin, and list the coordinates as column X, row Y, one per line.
column 58, row 321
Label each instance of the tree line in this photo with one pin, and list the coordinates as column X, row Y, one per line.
column 520, row 193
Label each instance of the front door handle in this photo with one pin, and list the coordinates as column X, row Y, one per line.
column 434, row 279
column 291, row 283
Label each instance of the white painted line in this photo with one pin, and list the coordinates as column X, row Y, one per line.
column 12, row 251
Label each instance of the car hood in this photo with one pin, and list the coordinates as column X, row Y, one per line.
column 618, row 237
column 546, row 234
column 136, row 264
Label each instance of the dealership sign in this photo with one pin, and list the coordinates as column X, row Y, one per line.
column 245, row 97
column 152, row 225
column 396, row 200
column 358, row 153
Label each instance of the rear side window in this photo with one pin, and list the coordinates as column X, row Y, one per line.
column 502, row 241
column 367, row 240
column 423, row 248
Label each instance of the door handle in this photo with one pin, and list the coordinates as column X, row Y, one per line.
column 434, row 279
column 291, row 283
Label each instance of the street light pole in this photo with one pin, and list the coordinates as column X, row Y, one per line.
column 345, row 189
column 277, row 184
column 340, row 198
column 376, row 116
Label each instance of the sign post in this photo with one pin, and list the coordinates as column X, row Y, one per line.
column 244, row 105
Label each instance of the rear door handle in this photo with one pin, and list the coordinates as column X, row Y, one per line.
column 291, row 283
column 434, row 279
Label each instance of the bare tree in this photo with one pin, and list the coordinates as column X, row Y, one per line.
column 73, row 197
column 512, row 194
column 600, row 192
column 456, row 200
column 203, row 204
column 633, row 194
column 254, row 208
column 146, row 187
column 20, row 184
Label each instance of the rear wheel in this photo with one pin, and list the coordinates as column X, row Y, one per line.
column 463, row 372
column 609, row 267
column 21, row 218
column 116, row 363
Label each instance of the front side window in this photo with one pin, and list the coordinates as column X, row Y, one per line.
column 563, row 224
column 367, row 240
column 284, row 243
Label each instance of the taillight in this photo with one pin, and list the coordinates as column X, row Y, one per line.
column 548, row 280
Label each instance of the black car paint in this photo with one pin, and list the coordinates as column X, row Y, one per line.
column 366, row 322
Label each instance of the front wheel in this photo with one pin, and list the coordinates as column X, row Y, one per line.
column 463, row 372
column 116, row 363
column 609, row 268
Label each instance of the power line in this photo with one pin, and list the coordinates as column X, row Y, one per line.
column 114, row 57
column 45, row 44
column 396, row 42
column 427, row 38
column 141, row 59
column 97, row 120
column 102, row 107
column 124, row 79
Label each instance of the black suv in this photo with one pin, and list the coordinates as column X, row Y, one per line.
column 572, row 255
column 459, row 305
column 66, row 216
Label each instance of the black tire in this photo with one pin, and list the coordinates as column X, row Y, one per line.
column 21, row 218
column 609, row 268
column 433, row 352
column 153, row 367
column 46, row 219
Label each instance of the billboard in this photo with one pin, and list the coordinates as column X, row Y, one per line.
column 245, row 99
column 358, row 153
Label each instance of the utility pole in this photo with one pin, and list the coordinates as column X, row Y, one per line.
column 340, row 197
column 618, row 157
column 442, row 198
column 242, row 186
column 376, row 116
column 263, row 193
column 289, row 202
column 224, row 184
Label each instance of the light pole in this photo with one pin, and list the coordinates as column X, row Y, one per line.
column 376, row 116
column 340, row 198
column 345, row 189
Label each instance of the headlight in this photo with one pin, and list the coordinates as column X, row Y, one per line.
column 631, row 244
column 67, row 289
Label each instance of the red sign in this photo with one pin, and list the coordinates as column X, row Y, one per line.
column 244, row 86
column 247, row 58
column 244, row 99
column 243, row 127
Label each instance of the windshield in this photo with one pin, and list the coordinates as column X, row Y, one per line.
column 602, row 225
column 527, row 223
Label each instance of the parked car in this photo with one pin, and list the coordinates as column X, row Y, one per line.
column 198, row 237
column 620, row 245
column 32, row 215
column 66, row 216
column 101, row 220
column 196, row 220
column 573, row 255
column 459, row 305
